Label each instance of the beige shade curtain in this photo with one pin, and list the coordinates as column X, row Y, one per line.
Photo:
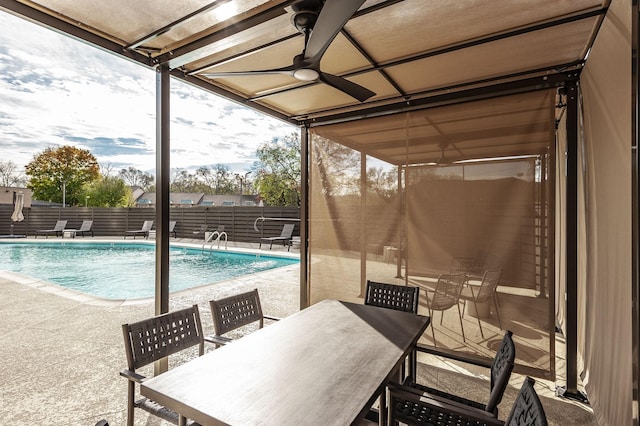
column 605, row 234
column 405, row 198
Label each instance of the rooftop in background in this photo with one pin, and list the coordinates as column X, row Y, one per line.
column 186, row 199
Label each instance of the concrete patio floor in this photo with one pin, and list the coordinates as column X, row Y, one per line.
column 62, row 352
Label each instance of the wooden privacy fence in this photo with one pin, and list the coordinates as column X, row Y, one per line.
column 238, row 221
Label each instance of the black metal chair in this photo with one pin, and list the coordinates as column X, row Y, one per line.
column 392, row 296
column 399, row 298
column 151, row 340
column 396, row 297
column 233, row 312
column 501, row 369
column 409, row 406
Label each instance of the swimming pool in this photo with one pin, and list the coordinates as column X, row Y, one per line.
column 127, row 270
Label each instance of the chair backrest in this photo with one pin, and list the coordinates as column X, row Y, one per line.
column 172, row 225
column 236, row 311
column 86, row 225
column 447, row 291
column 527, row 409
column 501, row 369
column 60, row 225
column 287, row 230
column 392, row 296
column 147, row 225
column 490, row 281
column 158, row 337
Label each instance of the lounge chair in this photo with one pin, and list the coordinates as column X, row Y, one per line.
column 144, row 231
column 87, row 226
column 201, row 230
column 285, row 237
column 172, row 228
column 57, row 230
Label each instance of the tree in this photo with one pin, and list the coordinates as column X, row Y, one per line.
column 108, row 191
column 218, row 179
column 62, row 172
column 383, row 183
column 9, row 174
column 135, row 177
column 278, row 171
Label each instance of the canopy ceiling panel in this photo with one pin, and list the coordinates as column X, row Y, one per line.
column 405, row 52
column 506, row 56
column 515, row 125
column 434, row 24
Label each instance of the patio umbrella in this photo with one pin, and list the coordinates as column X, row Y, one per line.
column 17, row 215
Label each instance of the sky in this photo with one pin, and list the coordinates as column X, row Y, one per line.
column 57, row 91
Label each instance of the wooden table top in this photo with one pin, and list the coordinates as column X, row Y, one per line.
column 324, row 365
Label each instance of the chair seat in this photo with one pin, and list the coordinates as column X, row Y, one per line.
column 446, row 396
column 417, row 414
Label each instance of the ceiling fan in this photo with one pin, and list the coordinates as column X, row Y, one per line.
column 320, row 22
column 443, row 161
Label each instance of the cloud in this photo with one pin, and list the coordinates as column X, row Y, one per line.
column 58, row 91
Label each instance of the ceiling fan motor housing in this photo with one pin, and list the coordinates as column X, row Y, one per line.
column 304, row 20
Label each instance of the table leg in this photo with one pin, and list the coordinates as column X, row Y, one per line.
column 182, row 421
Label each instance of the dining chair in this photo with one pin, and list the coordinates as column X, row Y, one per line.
column 446, row 295
column 484, row 293
column 410, row 406
column 392, row 296
column 399, row 298
column 151, row 340
column 234, row 312
column 396, row 297
column 500, row 373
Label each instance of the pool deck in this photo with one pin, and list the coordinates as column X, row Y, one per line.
column 62, row 351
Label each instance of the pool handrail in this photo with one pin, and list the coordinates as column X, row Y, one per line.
column 213, row 237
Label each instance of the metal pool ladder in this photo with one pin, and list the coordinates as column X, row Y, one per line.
column 215, row 236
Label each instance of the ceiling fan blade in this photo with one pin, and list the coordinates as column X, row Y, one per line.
column 285, row 71
column 352, row 89
column 333, row 16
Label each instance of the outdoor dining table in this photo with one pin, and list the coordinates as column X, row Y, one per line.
column 324, row 365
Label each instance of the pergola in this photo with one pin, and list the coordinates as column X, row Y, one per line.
column 510, row 127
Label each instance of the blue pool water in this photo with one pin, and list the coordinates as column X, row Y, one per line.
column 125, row 271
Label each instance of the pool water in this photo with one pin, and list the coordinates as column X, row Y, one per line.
column 126, row 271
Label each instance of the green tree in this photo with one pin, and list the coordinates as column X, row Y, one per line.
column 277, row 171
column 65, row 169
column 108, row 191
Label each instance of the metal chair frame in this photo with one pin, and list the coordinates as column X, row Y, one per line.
column 445, row 296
